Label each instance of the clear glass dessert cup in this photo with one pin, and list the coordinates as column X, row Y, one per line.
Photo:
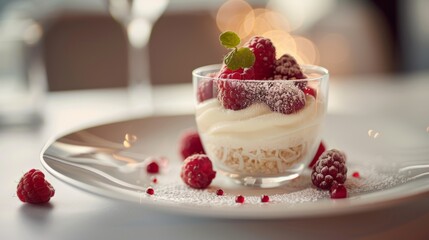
column 260, row 133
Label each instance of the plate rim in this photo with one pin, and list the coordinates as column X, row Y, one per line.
column 345, row 206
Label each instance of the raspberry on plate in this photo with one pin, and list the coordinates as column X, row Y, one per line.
column 329, row 170
column 285, row 98
column 319, row 152
column 287, row 68
column 190, row 143
column 33, row 188
column 197, row 171
column 265, row 57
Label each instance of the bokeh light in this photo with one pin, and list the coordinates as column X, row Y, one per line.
column 231, row 16
column 240, row 17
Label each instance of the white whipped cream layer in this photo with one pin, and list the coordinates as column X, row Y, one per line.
column 257, row 126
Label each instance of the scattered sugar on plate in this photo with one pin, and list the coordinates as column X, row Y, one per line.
column 299, row 190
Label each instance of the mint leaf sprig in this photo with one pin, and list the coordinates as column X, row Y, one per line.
column 237, row 58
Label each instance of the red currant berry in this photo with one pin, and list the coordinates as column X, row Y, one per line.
column 150, row 191
column 265, row 198
column 239, row 199
column 152, row 167
column 219, row 192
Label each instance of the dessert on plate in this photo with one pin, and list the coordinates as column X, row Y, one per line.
column 260, row 117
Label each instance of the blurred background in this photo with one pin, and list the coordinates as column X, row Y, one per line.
column 83, row 44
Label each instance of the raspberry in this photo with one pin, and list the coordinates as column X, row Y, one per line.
column 329, row 170
column 152, row 167
column 265, row 57
column 287, row 68
column 338, row 191
column 319, row 152
column 239, row 74
column 205, row 90
column 285, row 98
column 190, row 143
column 197, row 171
column 33, row 188
column 234, row 95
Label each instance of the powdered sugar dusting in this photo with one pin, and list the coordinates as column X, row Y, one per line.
column 298, row 191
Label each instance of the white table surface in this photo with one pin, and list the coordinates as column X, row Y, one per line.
column 74, row 214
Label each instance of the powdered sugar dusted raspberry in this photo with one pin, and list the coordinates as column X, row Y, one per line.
column 197, row 171
column 329, row 170
column 287, row 68
column 239, row 74
column 285, row 98
column 234, row 94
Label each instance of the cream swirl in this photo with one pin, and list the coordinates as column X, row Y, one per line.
column 214, row 119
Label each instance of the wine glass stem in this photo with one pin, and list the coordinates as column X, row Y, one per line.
column 139, row 84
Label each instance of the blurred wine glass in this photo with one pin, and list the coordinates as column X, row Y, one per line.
column 137, row 17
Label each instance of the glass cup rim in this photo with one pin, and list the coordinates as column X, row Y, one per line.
column 323, row 71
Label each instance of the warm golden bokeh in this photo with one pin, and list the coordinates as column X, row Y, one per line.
column 231, row 16
column 240, row 17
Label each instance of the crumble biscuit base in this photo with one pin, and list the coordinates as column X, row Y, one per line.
column 259, row 161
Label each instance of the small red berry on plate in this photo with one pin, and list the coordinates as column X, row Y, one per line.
column 265, row 198
column 285, row 98
column 190, row 144
column 239, row 199
column 319, row 152
column 154, row 180
column 356, row 175
column 33, row 188
column 265, row 57
column 329, row 170
column 197, row 171
column 150, row 191
column 219, row 192
column 338, row 191
column 152, row 167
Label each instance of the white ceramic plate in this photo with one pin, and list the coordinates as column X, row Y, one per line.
column 392, row 159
